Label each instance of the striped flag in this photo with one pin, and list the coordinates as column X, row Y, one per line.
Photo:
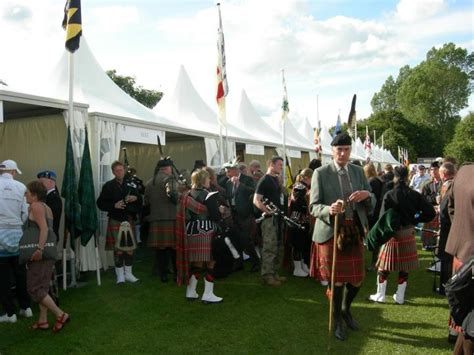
column 222, row 85
column 72, row 23
column 284, row 107
column 317, row 142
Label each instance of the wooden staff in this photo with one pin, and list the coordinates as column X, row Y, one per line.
column 333, row 268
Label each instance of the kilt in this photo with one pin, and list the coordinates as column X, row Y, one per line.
column 349, row 264
column 162, row 234
column 399, row 253
column 113, row 227
column 199, row 240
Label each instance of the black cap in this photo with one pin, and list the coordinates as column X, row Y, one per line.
column 48, row 174
column 401, row 172
column 164, row 162
column 434, row 164
column 198, row 164
column 341, row 139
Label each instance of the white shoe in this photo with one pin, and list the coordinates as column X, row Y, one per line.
column 324, row 283
column 6, row 319
column 380, row 295
column 399, row 296
column 436, row 267
column 304, row 267
column 128, row 275
column 27, row 313
column 119, row 271
column 298, row 271
column 209, row 296
column 191, row 293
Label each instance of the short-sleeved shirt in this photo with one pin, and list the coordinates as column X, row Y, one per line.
column 269, row 187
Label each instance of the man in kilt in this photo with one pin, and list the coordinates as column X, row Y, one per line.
column 399, row 252
column 161, row 195
column 121, row 200
column 330, row 185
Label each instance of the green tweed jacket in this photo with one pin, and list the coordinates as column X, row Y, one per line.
column 325, row 190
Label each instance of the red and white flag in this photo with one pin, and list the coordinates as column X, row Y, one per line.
column 222, row 86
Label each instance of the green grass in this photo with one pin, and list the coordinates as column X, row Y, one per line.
column 152, row 317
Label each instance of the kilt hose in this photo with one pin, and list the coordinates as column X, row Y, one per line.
column 113, row 227
column 349, row 264
column 200, row 234
column 162, row 234
column 399, row 253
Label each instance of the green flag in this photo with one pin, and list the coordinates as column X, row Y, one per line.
column 72, row 209
column 86, row 193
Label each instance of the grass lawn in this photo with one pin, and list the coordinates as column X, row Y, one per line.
column 152, row 317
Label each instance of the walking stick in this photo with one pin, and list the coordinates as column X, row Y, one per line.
column 333, row 268
column 64, row 259
column 97, row 259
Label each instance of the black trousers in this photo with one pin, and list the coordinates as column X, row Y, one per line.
column 244, row 226
column 13, row 284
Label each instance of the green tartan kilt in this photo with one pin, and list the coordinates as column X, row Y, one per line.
column 162, row 234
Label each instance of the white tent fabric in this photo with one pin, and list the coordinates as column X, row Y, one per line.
column 293, row 137
column 248, row 117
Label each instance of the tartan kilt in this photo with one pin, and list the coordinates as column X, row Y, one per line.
column 162, row 234
column 199, row 240
column 399, row 253
column 429, row 238
column 349, row 264
column 113, row 227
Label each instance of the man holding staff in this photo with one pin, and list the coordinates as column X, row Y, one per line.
column 340, row 191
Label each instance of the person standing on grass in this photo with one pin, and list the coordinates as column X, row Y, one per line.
column 13, row 212
column 332, row 184
column 269, row 187
column 121, row 201
column 161, row 195
column 399, row 253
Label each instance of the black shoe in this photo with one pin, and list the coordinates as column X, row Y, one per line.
column 255, row 267
column 339, row 331
column 351, row 322
column 452, row 338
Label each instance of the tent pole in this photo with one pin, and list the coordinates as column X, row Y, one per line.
column 97, row 260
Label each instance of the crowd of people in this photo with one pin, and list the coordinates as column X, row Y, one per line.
column 206, row 227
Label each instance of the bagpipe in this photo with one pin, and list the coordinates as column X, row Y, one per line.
column 276, row 211
column 134, row 185
column 176, row 173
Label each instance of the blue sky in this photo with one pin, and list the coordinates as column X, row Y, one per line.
column 332, row 49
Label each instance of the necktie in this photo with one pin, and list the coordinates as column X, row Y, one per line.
column 346, row 192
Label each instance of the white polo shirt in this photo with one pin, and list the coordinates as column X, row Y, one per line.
column 13, row 206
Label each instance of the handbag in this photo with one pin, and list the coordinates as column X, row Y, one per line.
column 29, row 244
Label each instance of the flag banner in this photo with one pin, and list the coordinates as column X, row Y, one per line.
column 222, row 84
column 367, row 146
column 72, row 23
column 317, row 142
column 86, row 192
column 72, row 209
column 338, row 128
column 284, row 107
column 351, row 122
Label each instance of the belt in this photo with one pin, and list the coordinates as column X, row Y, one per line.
column 349, row 222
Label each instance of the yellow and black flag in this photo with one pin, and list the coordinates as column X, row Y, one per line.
column 72, row 23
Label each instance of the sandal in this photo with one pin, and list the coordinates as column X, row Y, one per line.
column 40, row 326
column 61, row 322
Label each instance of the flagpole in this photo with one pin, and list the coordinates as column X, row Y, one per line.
column 97, row 260
column 221, row 144
column 383, row 155
column 375, row 140
column 283, row 125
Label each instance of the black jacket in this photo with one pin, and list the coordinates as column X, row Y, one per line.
column 53, row 201
column 242, row 196
column 111, row 193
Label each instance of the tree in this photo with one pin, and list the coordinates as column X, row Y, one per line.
column 146, row 97
column 386, row 98
column 436, row 90
column 462, row 145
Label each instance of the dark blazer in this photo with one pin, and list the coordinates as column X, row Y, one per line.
column 243, row 195
column 444, row 219
column 53, row 201
column 461, row 236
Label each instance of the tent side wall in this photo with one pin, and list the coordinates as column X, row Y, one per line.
column 35, row 143
column 183, row 150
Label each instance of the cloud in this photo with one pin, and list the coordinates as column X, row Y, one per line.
column 17, row 13
column 113, row 19
column 412, row 10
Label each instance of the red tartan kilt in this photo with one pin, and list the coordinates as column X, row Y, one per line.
column 162, row 234
column 113, row 227
column 399, row 253
column 349, row 265
column 199, row 246
column 433, row 225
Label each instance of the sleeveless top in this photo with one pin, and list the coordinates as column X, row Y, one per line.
column 30, row 224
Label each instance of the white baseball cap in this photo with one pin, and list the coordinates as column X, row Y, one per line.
column 9, row 165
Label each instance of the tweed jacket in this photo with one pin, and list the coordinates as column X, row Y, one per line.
column 325, row 190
